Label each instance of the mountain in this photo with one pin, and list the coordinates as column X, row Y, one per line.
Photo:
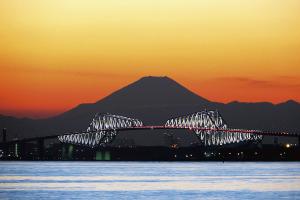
column 150, row 91
column 153, row 100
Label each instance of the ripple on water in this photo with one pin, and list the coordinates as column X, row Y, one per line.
column 149, row 180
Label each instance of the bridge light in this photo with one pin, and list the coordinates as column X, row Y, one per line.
column 287, row 145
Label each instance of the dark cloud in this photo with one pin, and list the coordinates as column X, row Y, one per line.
column 258, row 83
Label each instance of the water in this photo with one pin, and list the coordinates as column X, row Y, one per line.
column 149, row 180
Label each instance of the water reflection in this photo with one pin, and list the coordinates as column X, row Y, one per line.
column 158, row 178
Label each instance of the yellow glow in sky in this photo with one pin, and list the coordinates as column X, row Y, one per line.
column 83, row 50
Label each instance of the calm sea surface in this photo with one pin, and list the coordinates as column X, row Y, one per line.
column 149, row 180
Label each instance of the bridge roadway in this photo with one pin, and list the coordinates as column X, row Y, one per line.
column 161, row 127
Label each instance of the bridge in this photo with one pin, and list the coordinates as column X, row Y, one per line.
column 209, row 127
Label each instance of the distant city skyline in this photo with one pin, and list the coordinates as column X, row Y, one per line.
column 56, row 54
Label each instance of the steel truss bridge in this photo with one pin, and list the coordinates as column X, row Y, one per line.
column 209, row 127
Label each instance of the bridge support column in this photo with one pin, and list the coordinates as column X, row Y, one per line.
column 67, row 151
column 16, row 150
column 70, row 152
column 102, row 155
column 107, row 155
column 98, row 155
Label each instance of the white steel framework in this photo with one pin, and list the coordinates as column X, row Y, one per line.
column 209, row 126
column 101, row 130
column 215, row 129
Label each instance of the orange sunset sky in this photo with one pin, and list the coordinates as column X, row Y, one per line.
column 57, row 54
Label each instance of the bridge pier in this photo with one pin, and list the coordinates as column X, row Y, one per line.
column 66, row 151
column 100, row 155
column 70, row 152
column 107, row 155
column 16, row 150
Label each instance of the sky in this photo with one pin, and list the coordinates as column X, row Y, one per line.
column 56, row 54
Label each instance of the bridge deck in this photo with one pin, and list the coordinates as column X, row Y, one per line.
column 245, row 131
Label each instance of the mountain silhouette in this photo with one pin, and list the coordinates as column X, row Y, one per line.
column 150, row 91
column 154, row 100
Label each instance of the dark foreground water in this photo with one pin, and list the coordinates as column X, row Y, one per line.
column 149, row 180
